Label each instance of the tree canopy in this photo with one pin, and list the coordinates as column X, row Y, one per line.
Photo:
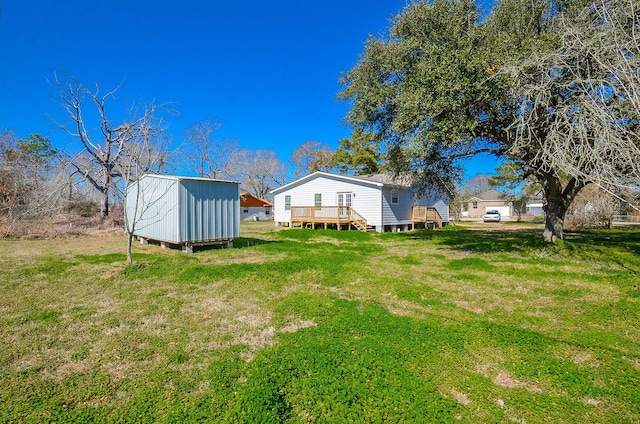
column 549, row 86
column 26, row 171
column 359, row 154
column 311, row 156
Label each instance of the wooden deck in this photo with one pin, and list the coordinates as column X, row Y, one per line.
column 625, row 220
column 428, row 216
column 346, row 217
column 339, row 216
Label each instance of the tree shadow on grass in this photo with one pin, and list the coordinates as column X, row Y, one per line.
column 526, row 240
column 247, row 242
column 605, row 237
column 483, row 241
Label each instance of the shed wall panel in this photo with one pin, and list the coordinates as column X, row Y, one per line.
column 184, row 210
column 211, row 211
column 152, row 208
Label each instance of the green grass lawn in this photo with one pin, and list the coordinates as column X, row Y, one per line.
column 298, row 326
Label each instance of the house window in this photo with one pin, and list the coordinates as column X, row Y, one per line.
column 287, row 202
column 245, row 210
column 267, row 211
column 395, row 197
column 317, row 199
column 474, row 205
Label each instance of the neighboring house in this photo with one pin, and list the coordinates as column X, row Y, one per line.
column 372, row 201
column 476, row 206
column 253, row 208
column 184, row 211
column 535, row 207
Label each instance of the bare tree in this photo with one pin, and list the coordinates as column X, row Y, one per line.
column 477, row 184
column 259, row 171
column 311, row 156
column 27, row 183
column 103, row 149
column 206, row 153
column 594, row 208
column 10, row 178
column 141, row 155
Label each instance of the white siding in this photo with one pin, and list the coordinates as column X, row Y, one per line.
column 398, row 213
column 369, row 199
column 366, row 198
column 252, row 212
column 437, row 200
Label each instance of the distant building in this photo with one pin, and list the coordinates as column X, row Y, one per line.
column 255, row 209
column 474, row 207
column 477, row 205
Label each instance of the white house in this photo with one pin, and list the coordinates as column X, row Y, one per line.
column 253, row 208
column 370, row 201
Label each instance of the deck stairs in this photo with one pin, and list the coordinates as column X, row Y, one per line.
column 358, row 221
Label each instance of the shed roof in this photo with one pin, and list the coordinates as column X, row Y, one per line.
column 181, row 178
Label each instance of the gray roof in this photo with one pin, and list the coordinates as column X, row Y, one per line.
column 372, row 179
column 386, row 179
column 490, row 195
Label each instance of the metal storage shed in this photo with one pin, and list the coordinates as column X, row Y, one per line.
column 184, row 211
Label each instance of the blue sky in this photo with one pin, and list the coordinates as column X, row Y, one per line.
column 267, row 70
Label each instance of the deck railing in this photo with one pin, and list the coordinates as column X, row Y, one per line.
column 338, row 215
column 426, row 215
column 626, row 219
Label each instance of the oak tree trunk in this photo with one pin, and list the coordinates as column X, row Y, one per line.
column 554, row 221
column 558, row 200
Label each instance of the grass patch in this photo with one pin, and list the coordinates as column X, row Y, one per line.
column 470, row 263
column 454, row 325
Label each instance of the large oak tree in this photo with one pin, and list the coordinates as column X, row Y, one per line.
column 547, row 85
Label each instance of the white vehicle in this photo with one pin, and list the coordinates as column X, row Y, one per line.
column 491, row 216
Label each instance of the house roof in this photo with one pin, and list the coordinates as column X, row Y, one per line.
column 248, row 200
column 378, row 180
column 489, row 195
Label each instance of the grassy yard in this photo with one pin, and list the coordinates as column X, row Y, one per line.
column 298, row 326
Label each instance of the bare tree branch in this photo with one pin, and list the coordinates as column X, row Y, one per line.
column 110, row 145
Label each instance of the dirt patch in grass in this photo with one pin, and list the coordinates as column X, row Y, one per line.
column 503, row 379
column 461, row 397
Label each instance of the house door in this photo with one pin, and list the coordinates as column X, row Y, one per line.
column 344, row 203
